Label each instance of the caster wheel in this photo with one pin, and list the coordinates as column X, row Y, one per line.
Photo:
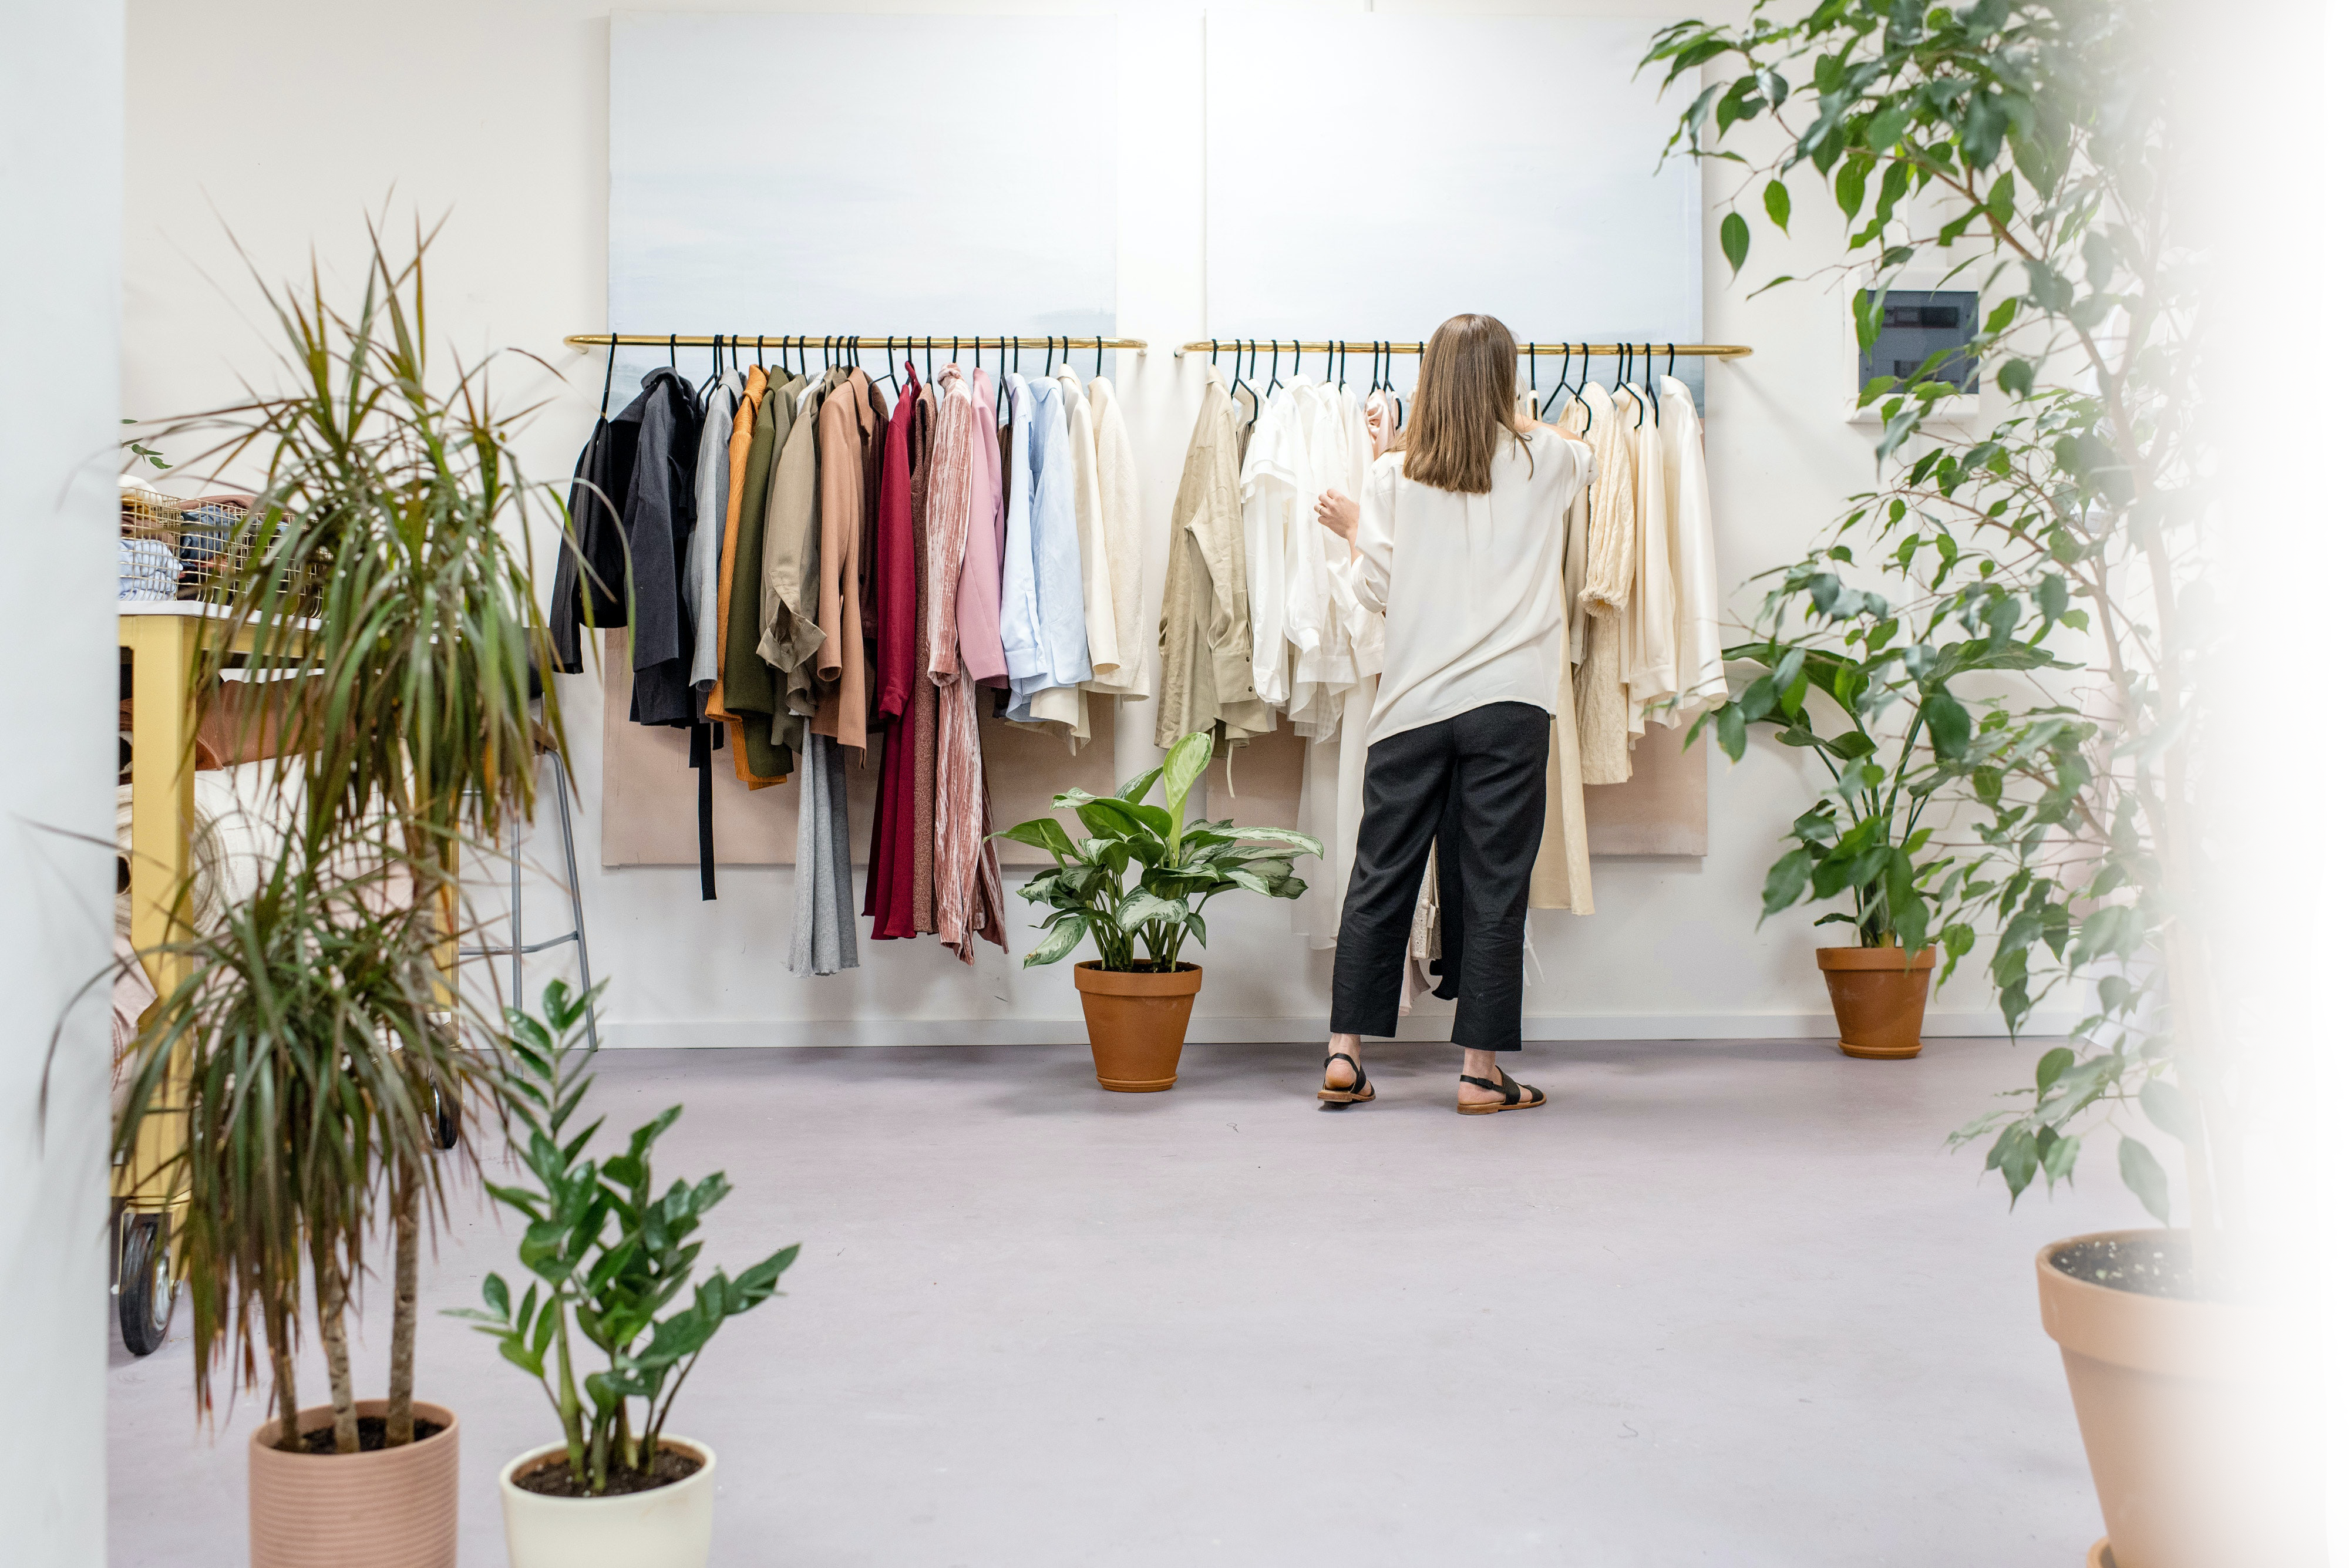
column 146, row 1292
column 444, row 1121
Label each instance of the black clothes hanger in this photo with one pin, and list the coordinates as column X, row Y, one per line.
column 672, row 351
column 930, row 371
column 1241, row 382
column 716, row 367
column 1274, row 384
column 1653, row 401
column 1564, row 369
column 1097, row 359
column 611, row 360
column 1341, row 361
column 1329, row 360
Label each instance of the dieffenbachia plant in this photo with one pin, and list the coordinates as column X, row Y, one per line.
column 1176, row 867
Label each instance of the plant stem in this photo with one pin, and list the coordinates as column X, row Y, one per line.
column 567, row 1401
column 333, row 1297
column 281, row 1374
column 399, row 1403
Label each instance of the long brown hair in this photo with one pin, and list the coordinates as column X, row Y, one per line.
column 1468, row 400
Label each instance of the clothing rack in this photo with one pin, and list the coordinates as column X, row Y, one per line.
column 583, row 341
column 1367, row 346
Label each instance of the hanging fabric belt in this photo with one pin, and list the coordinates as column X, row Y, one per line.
column 697, row 755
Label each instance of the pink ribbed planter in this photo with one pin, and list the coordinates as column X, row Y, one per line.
column 393, row 1508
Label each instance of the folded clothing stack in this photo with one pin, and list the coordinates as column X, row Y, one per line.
column 204, row 532
column 147, row 569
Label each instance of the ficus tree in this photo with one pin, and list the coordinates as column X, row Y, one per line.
column 2032, row 599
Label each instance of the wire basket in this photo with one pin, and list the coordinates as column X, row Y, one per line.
column 196, row 550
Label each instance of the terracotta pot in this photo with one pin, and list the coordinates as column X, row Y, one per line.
column 668, row 1527
column 396, row 1508
column 2160, row 1405
column 1135, row 1022
column 1879, row 994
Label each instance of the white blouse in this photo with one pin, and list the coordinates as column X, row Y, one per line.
column 1469, row 584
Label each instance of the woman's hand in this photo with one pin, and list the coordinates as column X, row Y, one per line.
column 1338, row 513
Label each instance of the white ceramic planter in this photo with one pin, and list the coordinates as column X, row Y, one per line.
column 666, row 1528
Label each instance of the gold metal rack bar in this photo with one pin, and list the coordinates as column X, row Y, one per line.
column 683, row 341
column 1364, row 345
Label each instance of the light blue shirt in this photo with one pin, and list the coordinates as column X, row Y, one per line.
column 1064, row 657
column 1023, row 649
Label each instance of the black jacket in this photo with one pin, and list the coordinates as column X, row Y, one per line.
column 656, row 515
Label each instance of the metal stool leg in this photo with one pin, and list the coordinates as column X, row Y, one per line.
column 513, row 917
column 515, row 948
column 578, row 910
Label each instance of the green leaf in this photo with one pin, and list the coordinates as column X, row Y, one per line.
column 1787, row 878
column 2014, row 378
column 2015, row 1157
column 1185, row 761
column 1042, row 832
column 1950, row 724
column 1734, row 240
column 1867, row 316
column 2167, row 1106
column 1134, row 788
column 1776, row 203
column 1852, row 183
column 1056, row 945
column 1729, row 724
column 2052, row 1066
column 1304, row 842
column 2146, row 1179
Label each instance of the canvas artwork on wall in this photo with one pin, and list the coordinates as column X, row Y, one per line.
column 867, row 194
column 1513, row 168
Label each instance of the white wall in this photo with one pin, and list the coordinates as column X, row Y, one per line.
column 494, row 113
column 61, row 169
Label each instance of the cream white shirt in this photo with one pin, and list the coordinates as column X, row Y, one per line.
column 1469, row 584
column 1696, row 589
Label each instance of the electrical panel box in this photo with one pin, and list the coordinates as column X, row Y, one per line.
column 1919, row 323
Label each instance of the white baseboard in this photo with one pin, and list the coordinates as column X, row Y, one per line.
column 704, row 1034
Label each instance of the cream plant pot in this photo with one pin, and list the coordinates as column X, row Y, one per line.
column 668, row 1527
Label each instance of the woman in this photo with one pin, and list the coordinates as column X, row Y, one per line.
column 1459, row 541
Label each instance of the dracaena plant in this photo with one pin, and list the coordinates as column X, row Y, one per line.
column 2031, row 149
column 301, row 1056
column 608, row 1252
column 1175, row 866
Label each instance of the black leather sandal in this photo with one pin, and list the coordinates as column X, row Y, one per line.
column 1361, row 1092
column 1514, row 1096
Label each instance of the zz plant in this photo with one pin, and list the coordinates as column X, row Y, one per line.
column 2033, row 595
column 609, row 1252
column 1175, row 866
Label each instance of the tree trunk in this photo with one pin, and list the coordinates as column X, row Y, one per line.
column 399, row 1408
column 332, row 1298
column 281, row 1378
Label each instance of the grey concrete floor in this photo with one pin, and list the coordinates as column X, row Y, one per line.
column 1718, row 1303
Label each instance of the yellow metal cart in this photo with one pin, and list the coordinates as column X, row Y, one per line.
column 162, row 640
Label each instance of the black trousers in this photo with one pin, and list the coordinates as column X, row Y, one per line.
column 1472, row 787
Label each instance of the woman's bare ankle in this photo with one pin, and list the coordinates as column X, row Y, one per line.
column 1479, row 1065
